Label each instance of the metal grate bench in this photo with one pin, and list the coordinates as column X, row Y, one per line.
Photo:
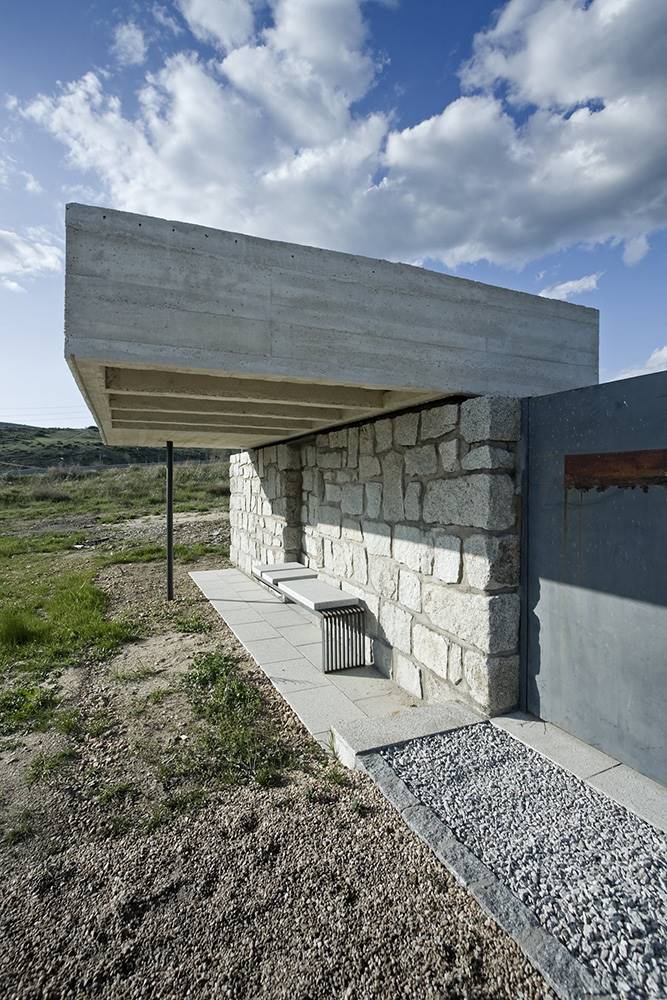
column 342, row 617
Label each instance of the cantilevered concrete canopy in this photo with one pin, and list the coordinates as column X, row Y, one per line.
column 214, row 339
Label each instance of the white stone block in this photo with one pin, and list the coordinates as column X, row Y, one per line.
column 487, row 457
column 329, row 521
column 359, row 564
column 377, row 538
column 353, row 499
column 413, row 507
column 366, row 440
column 413, row 548
column 352, row 447
column 489, row 623
column 407, row 675
column 392, row 487
column 449, row 455
column 490, row 418
column 409, row 590
column 430, row 648
column 333, row 493
column 491, row 561
column 493, row 681
column 421, row 461
column 438, row 420
column 405, row 428
column 478, row 500
column 446, row 557
column 351, row 530
column 329, row 459
column 373, row 499
column 455, row 664
column 383, row 576
column 383, row 435
column 395, row 623
column 369, row 466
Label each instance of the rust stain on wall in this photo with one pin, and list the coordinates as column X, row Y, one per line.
column 628, row 469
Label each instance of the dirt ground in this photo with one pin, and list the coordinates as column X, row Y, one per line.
column 125, row 876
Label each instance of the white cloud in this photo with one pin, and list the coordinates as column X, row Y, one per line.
column 30, row 183
column 129, row 46
column 576, row 286
column 226, row 23
column 269, row 140
column 656, row 362
column 27, row 256
column 635, row 249
column 164, row 18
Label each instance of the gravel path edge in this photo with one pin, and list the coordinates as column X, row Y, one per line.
column 567, row 977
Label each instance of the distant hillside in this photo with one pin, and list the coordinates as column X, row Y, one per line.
column 42, row 447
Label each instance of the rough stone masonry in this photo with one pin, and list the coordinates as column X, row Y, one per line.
column 418, row 516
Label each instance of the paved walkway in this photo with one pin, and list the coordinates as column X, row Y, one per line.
column 351, row 711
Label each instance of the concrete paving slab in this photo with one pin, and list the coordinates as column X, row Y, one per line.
column 639, row 794
column 386, row 705
column 301, row 635
column 276, row 576
column 281, row 616
column 362, row 682
column 252, row 631
column 321, row 709
column 314, row 653
column 294, row 675
column 271, row 650
column 354, row 738
column 558, row 746
column 239, row 615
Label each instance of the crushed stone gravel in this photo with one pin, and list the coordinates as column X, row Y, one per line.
column 594, row 874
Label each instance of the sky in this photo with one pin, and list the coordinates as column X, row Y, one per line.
column 520, row 143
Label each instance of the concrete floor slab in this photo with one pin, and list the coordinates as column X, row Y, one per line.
column 301, row 635
column 298, row 674
column 313, row 650
column 558, row 746
column 362, row 682
column 639, row 794
column 270, row 650
column 324, row 708
column 252, row 631
column 386, row 705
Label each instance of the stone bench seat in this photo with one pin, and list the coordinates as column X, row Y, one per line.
column 343, row 633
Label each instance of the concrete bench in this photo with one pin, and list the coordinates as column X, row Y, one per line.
column 342, row 617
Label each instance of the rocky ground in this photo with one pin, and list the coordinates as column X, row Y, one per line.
column 126, row 873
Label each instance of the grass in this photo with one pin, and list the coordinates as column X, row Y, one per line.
column 11, row 545
column 237, row 741
column 192, row 624
column 61, row 620
column 120, row 791
column 26, row 708
column 46, row 765
column 113, row 494
column 151, row 552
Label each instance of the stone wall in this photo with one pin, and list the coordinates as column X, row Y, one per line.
column 417, row 515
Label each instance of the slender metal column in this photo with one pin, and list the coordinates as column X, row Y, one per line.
column 170, row 520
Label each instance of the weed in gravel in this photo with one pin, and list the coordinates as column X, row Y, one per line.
column 46, row 765
column 192, row 624
column 140, row 673
column 69, row 722
column 335, row 775
column 321, row 796
column 26, row 708
column 120, row 791
column 238, row 738
column 20, row 826
column 100, row 723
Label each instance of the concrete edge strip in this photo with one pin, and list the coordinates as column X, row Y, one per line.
column 569, row 979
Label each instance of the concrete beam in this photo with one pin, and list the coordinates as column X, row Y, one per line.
column 146, row 417
column 146, row 383
column 167, row 429
column 183, row 404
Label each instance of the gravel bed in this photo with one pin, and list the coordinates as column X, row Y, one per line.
column 594, row 874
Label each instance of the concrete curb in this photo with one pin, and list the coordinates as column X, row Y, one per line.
column 565, row 975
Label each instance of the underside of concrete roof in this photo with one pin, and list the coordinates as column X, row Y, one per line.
column 213, row 339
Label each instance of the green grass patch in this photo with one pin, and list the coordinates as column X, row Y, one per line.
column 26, row 708
column 62, row 620
column 151, row 552
column 46, row 765
column 15, row 545
column 121, row 791
column 238, row 738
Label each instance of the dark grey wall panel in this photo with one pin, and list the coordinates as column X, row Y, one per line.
column 596, row 568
